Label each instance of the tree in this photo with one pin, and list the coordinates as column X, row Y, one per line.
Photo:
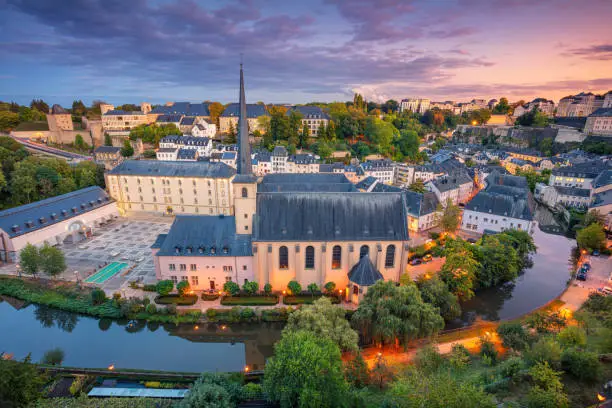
column 164, row 287
column 313, row 288
column 381, row 374
column 533, row 118
column 513, row 335
column 306, row 371
column 408, row 143
column 232, row 288
column 544, row 350
column 127, row 150
column 21, row 383
column 108, row 141
column 215, row 109
column 572, row 336
column 304, row 135
column 330, row 288
column 183, row 288
column 380, row 133
column 390, row 106
column 53, row 357
column 29, row 259
column 499, row 263
column 2, row 181
column 52, row 260
column 438, row 390
column 231, row 137
column 390, row 313
column 98, row 297
column 436, row 293
column 212, row 391
column 294, row 288
column 449, row 216
column 356, row 371
column 294, row 127
column 250, row 287
column 591, row 237
column 502, row 107
column 267, row 289
column 459, row 273
column 546, row 398
column 79, row 143
column 584, row 365
column 78, row 108
column 418, row 186
column 40, row 105
column 324, row 320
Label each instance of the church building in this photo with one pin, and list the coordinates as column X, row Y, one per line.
column 312, row 228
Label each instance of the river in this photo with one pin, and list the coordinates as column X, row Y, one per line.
column 90, row 342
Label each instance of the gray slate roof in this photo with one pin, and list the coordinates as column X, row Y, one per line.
column 31, row 217
column 364, row 273
column 204, row 235
column 184, row 108
column 418, row 205
column 589, row 169
column 604, row 178
column 601, row 199
column 306, row 188
column 573, row 191
column 107, row 149
column 58, row 110
column 452, row 182
column 253, row 110
column 302, row 179
column 500, row 204
column 330, row 217
column 173, row 169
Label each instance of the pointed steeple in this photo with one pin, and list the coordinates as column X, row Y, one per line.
column 244, row 148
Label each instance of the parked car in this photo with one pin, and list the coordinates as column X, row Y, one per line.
column 606, row 290
column 596, row 252
column 587, row 266
column 581, row 276
column 427, row 258
column 416, row 261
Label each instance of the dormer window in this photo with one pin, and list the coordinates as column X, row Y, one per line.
column 213, row 250
column 83, row 206
column 29, row 224
column 189, row 249
column 64, row 212
column 15, row 228
column 201, row 250
column 225, row 250
column 42, row 220
column 74, row 210
column 177, row 250
column 53, row 216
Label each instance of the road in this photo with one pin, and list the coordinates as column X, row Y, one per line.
column 41, row 148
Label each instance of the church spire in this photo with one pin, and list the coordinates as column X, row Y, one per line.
column 244, row 148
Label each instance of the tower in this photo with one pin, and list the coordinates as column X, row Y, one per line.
column 244, row 183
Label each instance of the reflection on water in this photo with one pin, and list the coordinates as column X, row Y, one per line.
column 90, row 342
column 543, row 281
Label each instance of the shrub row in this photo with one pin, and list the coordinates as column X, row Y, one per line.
column 208, row 296
column 233, row 315
column 249, row 300
column 306, row 299
column 174, row 299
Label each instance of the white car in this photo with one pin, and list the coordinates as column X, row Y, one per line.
column 115, row 253
column 606, row 290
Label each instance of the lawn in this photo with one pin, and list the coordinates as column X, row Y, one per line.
column 249, row 300
column 174, row 299
column 306, row 299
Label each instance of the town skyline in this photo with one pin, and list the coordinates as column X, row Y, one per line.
column 317, row 51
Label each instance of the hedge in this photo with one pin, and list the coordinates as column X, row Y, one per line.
column 249, row 300
column 206, row 296
column 174, row 299
column 233, row 315
column 306, row 299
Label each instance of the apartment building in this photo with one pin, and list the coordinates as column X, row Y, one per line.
column 119, row 122
column 416, row 105
column 171, row 187
column 313, row 117
column 232, row 112
column 599, row 123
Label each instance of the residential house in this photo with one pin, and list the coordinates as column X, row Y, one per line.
column 204, row 128
column 109, row 156
column 456, row 187
column 232, row 112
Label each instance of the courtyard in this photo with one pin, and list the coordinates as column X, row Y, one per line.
column 124, row 240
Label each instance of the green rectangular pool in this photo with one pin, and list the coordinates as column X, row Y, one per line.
column 106, row 273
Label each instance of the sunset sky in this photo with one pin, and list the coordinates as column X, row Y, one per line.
column 299, row 51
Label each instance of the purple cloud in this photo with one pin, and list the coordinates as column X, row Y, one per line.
column 597, row 52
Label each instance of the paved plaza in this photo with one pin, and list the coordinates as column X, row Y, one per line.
column 123, row 240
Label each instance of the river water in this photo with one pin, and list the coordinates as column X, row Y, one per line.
column 90, row 342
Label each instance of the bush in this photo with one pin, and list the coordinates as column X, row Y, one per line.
column 171, row 309
column 152, row 384
column 306, row 299
column 247, row 314
column 209, row 297
column 188, row 300
column 510, row 368
column 232, row 288
column 98, row 297
column 544, row 350
column 267, row 288
column 151, row 309
column 250, row 288
column 487, row 349
column 249, row 300
column 275, row 315
column 459, row 356
column 53, row 357
column 164, row 287
column 428, row 359
column 183, row 288
column 572, row 336
column 211, row 314
column 330, row 287
column 540, row 398
column 545, row 377
column 294, row 288
column 150, row 288
column 513, row 335
column 581, row 364
column 252, row 391
column 77, row 384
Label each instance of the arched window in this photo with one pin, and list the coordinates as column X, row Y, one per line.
column 337, row 257
column 365, row 250
column 245, row 192
column 390, row 257
column 283, row 258
column 310, row 258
